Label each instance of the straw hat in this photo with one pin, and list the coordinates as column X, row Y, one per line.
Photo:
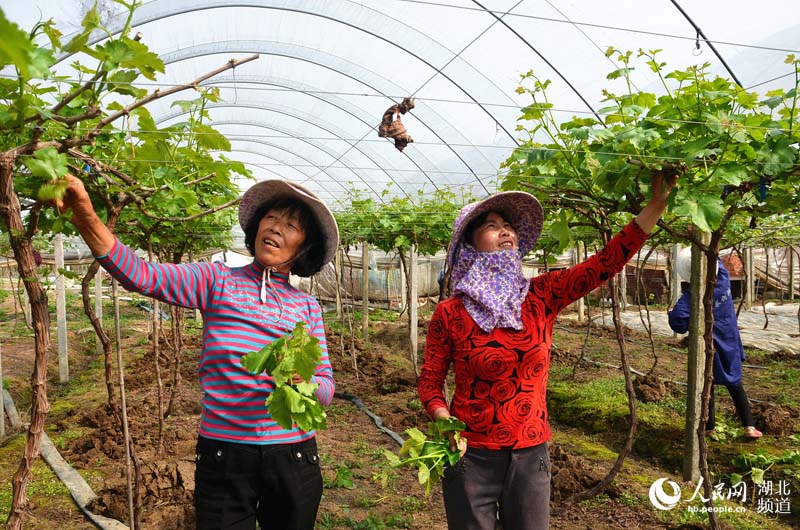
column 269, row 190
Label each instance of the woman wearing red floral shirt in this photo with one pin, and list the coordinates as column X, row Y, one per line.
column 496, row 332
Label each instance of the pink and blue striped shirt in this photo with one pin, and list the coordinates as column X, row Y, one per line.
column 235, row 322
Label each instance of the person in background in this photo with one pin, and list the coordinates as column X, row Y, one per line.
column 495, row 331
column 727, row 341
column 248, row 467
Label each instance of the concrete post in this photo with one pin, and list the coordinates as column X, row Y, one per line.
column 61, row 311
column 792, row 264
column 674, row 281
column 750, row 279
column 696, row 363
column 412, row 304
column 337, row 270
column 403, row 287
column 365, row 290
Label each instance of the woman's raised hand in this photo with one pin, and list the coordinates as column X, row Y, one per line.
column 662, row 183
column 75, row 199
column 94, row 232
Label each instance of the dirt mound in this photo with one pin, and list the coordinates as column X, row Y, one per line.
column 786, row 354
column 776, row 419
column 572, row 474
column 397, row 381
column 166, row 478
column 165, row 493
column 390, row 335
column 166, row 486
column 649, row 389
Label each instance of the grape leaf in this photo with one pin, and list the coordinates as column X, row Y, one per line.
column 280, row 407
column 265, row 359
column 288, row 405
column 430, row 453
column 443, row 425
column 308, row 352
column 15, row 46
column 47, row 163
column 413, row 445
column 291, row 403
column 49, row 192
column 313, row 417
column 91, row 20
column 705, row 210
column 424, row 476
column 393, row 459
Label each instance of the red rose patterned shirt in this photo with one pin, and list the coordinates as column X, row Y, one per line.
column 501, row 377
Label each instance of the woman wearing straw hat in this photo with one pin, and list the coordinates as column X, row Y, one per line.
column 727, row 340
column 496, row 332
column 248, row 467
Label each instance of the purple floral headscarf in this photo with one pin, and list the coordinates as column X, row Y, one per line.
column 492, row 286
column 492, row 283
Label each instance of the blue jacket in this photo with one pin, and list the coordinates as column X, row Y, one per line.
column 727, row 341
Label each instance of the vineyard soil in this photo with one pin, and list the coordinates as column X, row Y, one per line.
column 585, row 438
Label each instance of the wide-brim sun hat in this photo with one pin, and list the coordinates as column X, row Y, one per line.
column 270, row 190
column 519, row 208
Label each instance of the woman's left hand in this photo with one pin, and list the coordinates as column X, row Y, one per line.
column 662, row 183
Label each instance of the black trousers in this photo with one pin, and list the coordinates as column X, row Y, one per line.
column 235, row 484
column 488, row 488
column 740, row 403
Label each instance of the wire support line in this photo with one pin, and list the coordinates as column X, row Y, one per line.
column 776, row 78
column 546, row 149
column 331, row 166
column 327, row 127
column 587, row 37
column 339, row 158
column 466, row 47
column 522, row 149
column 405, row 224
column 350, row 140
column 554, row 109
column 541, row 56
column 705, row 39
column 341, row 181
column 369, row 123
column 292, row 153
column 605, row 26
column 234, row 85
column 438, row 72
column 507, row 148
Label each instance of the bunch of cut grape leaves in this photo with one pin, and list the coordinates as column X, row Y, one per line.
column 430, row 453
column 290, row 403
